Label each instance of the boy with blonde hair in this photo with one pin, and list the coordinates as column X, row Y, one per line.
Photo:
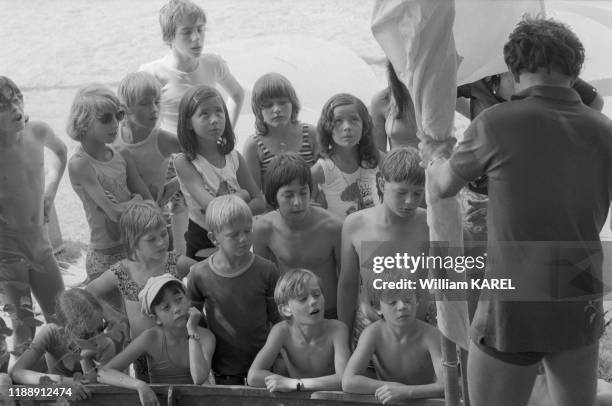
column 26, row 199
column 150, row 146
column 406, row 351
column 183, row 24
column 236, row 288
column 306, row 340
column 298, row 234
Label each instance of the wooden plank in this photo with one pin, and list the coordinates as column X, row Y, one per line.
column 193, row 395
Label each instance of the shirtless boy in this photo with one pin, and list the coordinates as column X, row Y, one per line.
column 406, row 351
column 396, row 225
column 26, row 198
column 298, row 234
column 314, row 349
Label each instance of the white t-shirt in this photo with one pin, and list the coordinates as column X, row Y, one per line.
column 217, row 182
column 211, row 70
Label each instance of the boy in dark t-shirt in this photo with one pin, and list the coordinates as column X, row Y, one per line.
column 236, row 288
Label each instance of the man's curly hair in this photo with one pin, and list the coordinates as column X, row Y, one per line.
column 538, row 43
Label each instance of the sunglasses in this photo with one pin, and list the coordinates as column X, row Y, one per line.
column 91, row 334
column 106, row 118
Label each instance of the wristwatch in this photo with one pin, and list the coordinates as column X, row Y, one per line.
column 194, row 336
column 299, row 386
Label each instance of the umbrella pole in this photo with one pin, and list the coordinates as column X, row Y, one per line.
column 451, row 375
column 464, row 382
column 543, row 7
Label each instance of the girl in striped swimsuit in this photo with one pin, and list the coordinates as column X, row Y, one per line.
column 277, row 129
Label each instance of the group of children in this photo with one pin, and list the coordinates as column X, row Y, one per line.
column 164, row 147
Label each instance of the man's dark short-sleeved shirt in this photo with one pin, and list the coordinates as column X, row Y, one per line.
column 548, row 158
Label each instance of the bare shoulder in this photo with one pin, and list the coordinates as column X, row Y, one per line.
column 326, row 219
column 371, row 333
column 430, row 334
column 280, row 329
column 379, row 102
column 39, row 129
column 167, row 142
column 79, row 168
column 358, row 220
column 152, row 335
column 335, row 327
column 264, row 223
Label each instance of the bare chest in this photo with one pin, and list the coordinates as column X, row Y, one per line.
column 310, row 359
column 411, row 364
column 302, row 249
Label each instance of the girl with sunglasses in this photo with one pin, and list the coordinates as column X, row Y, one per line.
column 73, row 348
column 105, row 179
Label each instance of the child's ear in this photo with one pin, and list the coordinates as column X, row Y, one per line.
column 284, row 310
column 381, row 184
column 211, row 237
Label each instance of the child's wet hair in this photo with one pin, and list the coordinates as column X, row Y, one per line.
column 368, row 153
column 391, row 275
column 292, row 284
column 74, row 308
column 538, row 43
column 224, row 211
column 187, row 108
column 8, row 90
column 403, row 165
column 137, row 220
column 89, row 102
column 136, row 86
column 269, row 86
column 175, row 287
column 282, row 170
column 172, row 12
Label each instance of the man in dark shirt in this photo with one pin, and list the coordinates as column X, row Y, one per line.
column 549, row 162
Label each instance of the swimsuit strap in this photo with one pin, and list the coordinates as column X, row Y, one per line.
column 306, row 151
column 266, row 155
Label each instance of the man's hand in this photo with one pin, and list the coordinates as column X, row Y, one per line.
column 431, row 149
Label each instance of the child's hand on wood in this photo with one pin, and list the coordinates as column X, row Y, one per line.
column 390, row 393
column 277, row 383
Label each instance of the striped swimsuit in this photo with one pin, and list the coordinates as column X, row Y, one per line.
column 265, row 156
